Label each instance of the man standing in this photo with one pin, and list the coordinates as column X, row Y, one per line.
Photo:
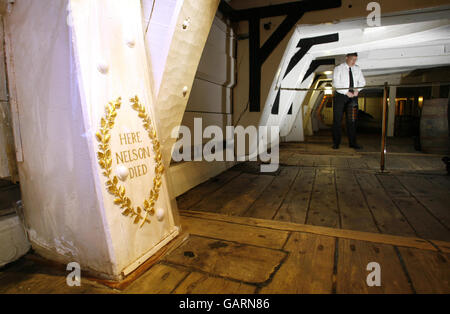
column 346, row 77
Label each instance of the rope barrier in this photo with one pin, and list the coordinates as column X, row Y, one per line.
column 368, row 86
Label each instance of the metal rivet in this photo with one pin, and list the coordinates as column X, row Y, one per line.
column 186, row 23
column 160, row 213
column 103, row 67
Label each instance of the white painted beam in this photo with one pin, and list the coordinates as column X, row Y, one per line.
column 159, row 20
column 391, row 111
column 181, row 66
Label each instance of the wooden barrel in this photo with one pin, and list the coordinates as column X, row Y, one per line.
column 434, row 136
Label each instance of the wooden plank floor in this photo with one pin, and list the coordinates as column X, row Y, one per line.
column 231, row 254
column 311, row 227
column 411, row 198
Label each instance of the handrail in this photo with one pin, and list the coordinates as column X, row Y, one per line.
column 383, row 128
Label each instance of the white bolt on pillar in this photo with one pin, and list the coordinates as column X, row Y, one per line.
column 186, row 23
column 122, row 172
column 185, row 90
column 160, row 213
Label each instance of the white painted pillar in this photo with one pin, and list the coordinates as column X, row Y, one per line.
column 391, row 110
column 189, row 37
column 87, row 198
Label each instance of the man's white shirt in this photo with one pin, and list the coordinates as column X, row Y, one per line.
column 341, row 78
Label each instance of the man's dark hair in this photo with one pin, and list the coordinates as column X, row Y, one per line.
column 353, row 54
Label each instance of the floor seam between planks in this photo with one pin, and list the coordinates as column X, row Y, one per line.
column 430, row 212
column 367, row 202
column 310, row 195
column 397, row 207
column 191, row 270
column 405, row 269
column 237, row 242
column 287, row 192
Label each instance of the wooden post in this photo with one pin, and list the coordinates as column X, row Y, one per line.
column 383, row 129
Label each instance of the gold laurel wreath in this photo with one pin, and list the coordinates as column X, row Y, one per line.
column 105, row 162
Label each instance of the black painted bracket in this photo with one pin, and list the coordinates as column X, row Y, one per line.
column 307, row 43
column 259, row 54
column 317, row 63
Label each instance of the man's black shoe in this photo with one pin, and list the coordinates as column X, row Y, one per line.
column 356, row 146
column 335, row 146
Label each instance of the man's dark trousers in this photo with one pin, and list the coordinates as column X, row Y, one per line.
column 343, row 103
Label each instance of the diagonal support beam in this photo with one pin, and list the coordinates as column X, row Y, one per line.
column 280, row 33
column 294, row 11
column 317, row 63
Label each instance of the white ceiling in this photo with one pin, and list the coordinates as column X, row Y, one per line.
column 404, row 41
